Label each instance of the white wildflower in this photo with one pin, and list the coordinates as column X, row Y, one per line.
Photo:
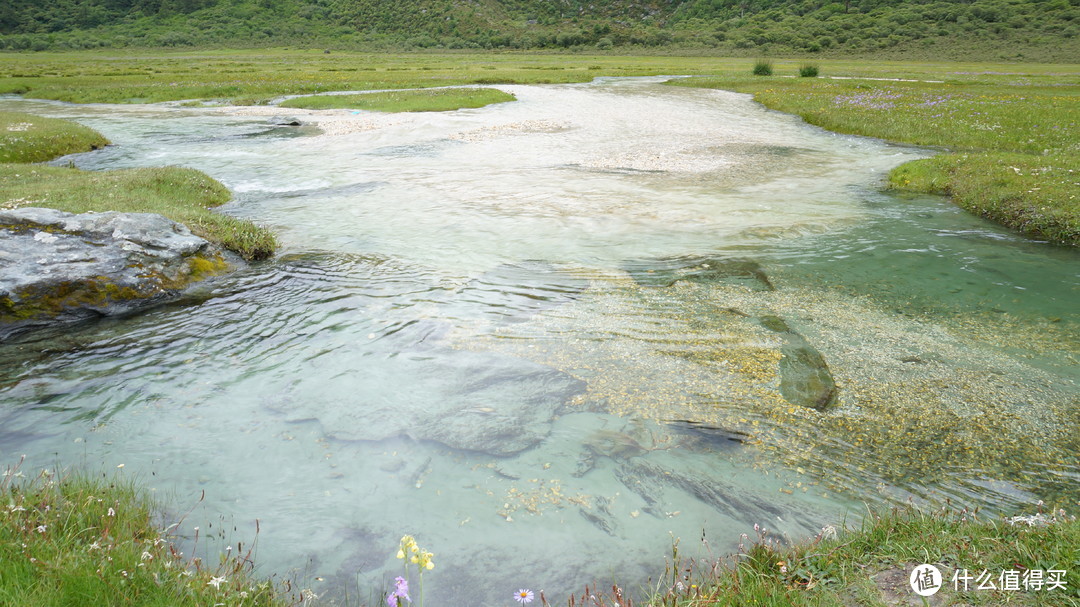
column 215, row 582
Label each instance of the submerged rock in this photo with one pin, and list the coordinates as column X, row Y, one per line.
column 61, row 267
column 805, row 379
column 470, row 401
column 666, row 272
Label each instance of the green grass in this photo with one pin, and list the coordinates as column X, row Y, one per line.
column 183, row 195
column 1010, row 151
column 81, row 540
column 28, row 138
column 869, row 565
column 422, row 100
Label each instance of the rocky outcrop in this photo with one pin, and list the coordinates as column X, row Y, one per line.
column 61, row 267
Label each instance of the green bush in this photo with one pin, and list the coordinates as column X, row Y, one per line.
column 808, row 71
column 763, row 68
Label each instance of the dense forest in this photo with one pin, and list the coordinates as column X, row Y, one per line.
column 991, row 29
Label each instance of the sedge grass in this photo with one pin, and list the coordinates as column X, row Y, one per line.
column 420, row 100
column 1010, row 149
column 81, row 540
column 183, row 195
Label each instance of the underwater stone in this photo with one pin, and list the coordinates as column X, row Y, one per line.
column 666, row 272
column 58, row 267
column 805, row 379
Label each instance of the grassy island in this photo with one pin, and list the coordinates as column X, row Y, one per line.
column 183, row 195
column 420, row 100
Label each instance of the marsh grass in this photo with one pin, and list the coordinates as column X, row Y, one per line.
column 420, row 100
column 78, row 540
column 808, row 71
column 1010, row 152
column 183, row 195
column 29, row 138
column 853, row 566
column 762, row 67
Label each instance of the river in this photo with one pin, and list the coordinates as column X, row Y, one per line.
column 548, row 338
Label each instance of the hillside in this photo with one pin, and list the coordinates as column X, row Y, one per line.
column 1036, row 30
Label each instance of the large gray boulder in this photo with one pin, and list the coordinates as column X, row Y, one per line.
column 62, row 267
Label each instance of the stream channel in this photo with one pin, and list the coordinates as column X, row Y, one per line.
column 549, row 337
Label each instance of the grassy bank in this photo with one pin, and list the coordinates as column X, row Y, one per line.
column 1010, row 149
column 80, row 540
column 183, row 195
column 77, row 540
column 871, row 564
column 424, row 100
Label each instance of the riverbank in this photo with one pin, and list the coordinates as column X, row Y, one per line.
column 1009, row 151
column 76, row 539
column 68, row 538
column 981, row 561
column 183, row 195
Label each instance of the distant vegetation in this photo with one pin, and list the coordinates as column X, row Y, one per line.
column 1032, row 30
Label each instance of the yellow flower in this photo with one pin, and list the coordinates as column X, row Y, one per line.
column 400, row 554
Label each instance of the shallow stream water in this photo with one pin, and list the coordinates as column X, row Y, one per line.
column 548, row 337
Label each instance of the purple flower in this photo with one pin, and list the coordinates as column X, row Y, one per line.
column 401, row 591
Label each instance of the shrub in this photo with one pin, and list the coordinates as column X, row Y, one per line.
column 763, row 68
column 808, row 71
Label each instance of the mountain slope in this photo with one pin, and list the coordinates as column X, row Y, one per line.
column 989, row 29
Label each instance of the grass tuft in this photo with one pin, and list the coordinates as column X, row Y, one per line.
column 808, row 71
column 763, row 67
column 423, row 100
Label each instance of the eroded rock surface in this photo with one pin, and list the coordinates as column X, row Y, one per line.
column 64, row 267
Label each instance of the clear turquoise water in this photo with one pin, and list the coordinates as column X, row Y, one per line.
column 450, row 344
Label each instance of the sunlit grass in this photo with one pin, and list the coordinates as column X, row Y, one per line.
column 183, row 195
column 29, row 138
column 422, row 100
